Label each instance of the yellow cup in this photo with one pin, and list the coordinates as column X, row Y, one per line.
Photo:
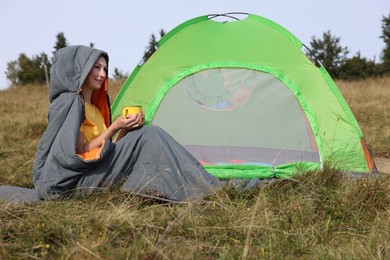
column 131, row 110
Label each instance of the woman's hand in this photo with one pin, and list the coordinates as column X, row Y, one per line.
column 129, row 123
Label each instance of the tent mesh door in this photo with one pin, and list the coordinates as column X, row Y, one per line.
column 237, row 116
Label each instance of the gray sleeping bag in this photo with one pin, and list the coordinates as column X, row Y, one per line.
column 146, row 161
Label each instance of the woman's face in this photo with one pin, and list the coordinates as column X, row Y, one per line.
column 97, row 75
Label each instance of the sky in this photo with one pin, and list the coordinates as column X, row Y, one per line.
column 123, row 27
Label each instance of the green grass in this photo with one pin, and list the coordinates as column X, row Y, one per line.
column 318, row 215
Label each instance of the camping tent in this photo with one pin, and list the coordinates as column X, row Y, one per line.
column 244, row 98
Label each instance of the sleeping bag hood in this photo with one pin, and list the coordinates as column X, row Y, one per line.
column 57, row 167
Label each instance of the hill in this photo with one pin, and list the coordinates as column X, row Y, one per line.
column 317, row 215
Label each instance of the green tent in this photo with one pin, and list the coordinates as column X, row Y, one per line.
column 245, row 100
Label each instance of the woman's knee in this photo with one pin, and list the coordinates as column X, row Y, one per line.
column 153, row 130
column 147, row 134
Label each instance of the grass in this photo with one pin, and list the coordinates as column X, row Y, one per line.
column 320, row 215
column 369, row 101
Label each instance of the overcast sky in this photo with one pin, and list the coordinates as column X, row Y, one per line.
column 123, row 28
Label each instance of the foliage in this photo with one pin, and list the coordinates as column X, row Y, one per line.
column 329, row 52
column 25, row 71
column 385, row 66
column 153, row 45
column 357, row 68
column 334, row 57
column 34, row 70
column 118, row 74
column 12, row 72
column 61, row 42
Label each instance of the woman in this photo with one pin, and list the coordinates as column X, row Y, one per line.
column 77, row 151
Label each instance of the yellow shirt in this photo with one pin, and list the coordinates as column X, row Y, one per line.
column 93, row 125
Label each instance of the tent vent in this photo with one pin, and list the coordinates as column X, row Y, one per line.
column 235, row 16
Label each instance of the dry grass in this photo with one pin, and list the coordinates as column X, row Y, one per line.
column 318, row 216
column 369, row 101
column 23, row 121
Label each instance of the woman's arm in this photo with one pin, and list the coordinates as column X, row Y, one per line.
column 123, row 125
column 139, row 122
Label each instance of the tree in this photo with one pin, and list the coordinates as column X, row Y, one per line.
column 25, row 70
column 61, row 42
column 12, row 72
column 153, row 45
column 357, row 68
column 329, row 52
column 385, row 66
column 118, row 74
column 42, row 65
